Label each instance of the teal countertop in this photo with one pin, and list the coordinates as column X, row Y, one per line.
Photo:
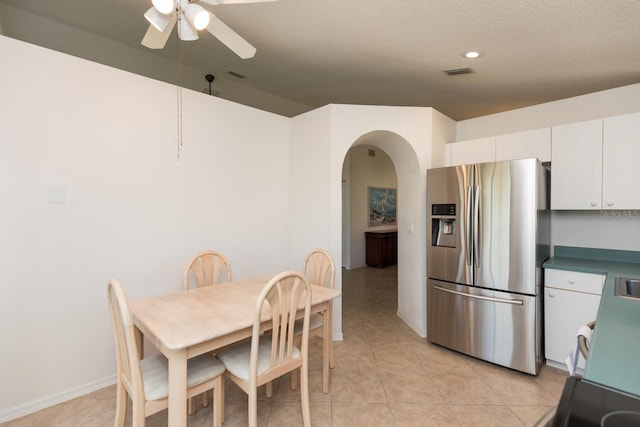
column 614, row 357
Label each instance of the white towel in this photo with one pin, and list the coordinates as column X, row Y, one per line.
column 587, row 333
column 574, row 356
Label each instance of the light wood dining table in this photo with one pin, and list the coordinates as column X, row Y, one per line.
column 186, row 324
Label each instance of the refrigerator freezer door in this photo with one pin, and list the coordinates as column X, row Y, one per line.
column 499, row 327
column 452, row 260
column 506, row 219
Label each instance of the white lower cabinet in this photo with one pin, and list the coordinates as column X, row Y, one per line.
column 571, row 299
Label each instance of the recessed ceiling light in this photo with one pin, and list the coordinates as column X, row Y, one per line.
column 471, row 54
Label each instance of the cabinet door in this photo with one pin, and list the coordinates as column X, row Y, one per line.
column 473, row 151
column 576, row 165
column 564, row 313
column 523, row 145
column 621, row 170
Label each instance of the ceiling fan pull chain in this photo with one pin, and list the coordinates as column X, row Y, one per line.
column 179, row 107
column 179, row 85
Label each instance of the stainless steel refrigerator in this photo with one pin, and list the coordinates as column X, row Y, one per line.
column 488, row 235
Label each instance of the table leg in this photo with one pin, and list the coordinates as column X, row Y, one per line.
column 139, row 342
column 326, row 341
column 177, row 388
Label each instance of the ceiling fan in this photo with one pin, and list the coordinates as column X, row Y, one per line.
column 191, row 16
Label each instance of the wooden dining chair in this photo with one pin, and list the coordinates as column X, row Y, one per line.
column 266, row 357
column 146, row 381
column 319, row 269
column 207, row 268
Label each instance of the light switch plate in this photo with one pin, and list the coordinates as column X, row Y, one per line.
column 57, row 194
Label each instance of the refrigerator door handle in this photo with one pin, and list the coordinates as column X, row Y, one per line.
column 502, row 300
column 468, row 220
column 476, row 226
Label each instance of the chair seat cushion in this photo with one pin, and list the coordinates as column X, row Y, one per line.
column 155, row 373
column 236, row 359
column 315, row 321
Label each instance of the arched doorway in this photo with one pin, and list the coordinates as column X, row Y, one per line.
column 409, row 219
column 366, row 169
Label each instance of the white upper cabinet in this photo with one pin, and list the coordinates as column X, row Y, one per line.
column 523, row 145
column 519, row 145
column 595, row 164
column 576, row 166
column 620, row 163
column 473, row 151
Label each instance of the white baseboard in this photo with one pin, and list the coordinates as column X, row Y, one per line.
column 563, row 367
column 45, row 402
column 417, row 330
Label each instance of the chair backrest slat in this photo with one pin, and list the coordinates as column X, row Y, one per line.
column 319, row 268
column 127, row 352
column 284, row 294
column 207, row 267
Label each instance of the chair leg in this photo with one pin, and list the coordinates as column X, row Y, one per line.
column 218, row 403
column 205, row 399
column 137, row 418
column 191, row 406
column 332, row 360
column 269, row 389
column 121, row 405
column 294, row 379
column 325, row 362
column 304, row 395
column 222, row 385
column 253, row 407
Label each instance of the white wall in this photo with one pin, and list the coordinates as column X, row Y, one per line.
column 130, row 210
column 601, row 229
column 613, row 102
column 443, row 131
column 311, row 222
column 571, row 228
column 346, row 213
column 364, row 172
column 405, row 134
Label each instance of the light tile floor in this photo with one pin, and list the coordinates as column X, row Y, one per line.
column 385, row 375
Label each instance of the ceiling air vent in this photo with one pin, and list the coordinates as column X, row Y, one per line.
column 458, row 71
column 238, row 75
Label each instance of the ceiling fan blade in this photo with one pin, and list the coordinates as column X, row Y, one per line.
column 230, row 38
column 156, row 39
column 215, row 2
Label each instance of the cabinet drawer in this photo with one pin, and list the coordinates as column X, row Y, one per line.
column 574, row 281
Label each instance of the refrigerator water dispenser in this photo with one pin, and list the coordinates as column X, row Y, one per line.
column 443, row 225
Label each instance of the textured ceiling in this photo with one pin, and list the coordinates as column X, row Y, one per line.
column 383, row 52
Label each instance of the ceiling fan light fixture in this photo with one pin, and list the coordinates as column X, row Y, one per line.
column 197, row 16
column 157, row 19
column 185, row 31
column 164, row 6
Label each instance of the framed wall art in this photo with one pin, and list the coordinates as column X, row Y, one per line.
column 382, row 206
